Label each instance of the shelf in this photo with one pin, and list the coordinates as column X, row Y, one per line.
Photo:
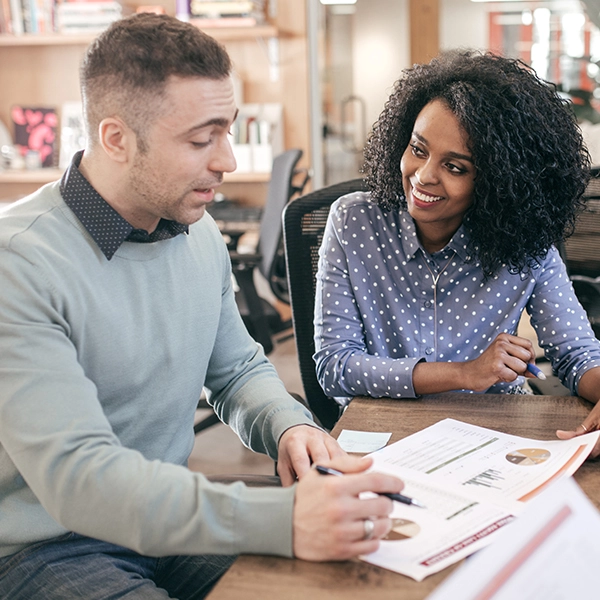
column 47, row 175
column 35, row 176
column 222, row 34
column 229, row 34
column 42, row 70
column 246, row 177
column 45, row 39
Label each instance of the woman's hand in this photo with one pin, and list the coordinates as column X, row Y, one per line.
column 588, row 388
column 504, row 360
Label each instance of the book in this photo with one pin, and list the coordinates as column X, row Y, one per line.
column 83, row 8
column 72, row 132
column 46, row 15
column 84, row 17
column 32, row 11
column 5, row 21
column 208, row 23
column 198, row 7
column 26, row 15
column 16, row 13
column 35, row 132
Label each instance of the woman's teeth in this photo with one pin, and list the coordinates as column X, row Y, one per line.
column 425, row 198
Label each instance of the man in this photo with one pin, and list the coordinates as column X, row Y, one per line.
column 117, row 310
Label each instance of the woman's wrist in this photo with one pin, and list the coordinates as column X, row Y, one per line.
column 433, row 378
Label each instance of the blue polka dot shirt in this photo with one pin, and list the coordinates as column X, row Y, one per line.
column 378, row 312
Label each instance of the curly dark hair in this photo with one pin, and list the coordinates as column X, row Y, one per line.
column 531, row 164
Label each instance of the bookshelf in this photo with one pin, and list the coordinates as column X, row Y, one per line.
column 270, row 60
column 223, row 34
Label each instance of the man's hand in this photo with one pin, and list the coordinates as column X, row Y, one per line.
column 329, row 516
column 301, row 446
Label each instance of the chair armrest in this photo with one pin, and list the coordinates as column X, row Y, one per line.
column 249, row 480
column 587, row 290
column 243, row 260
column 592, row 281
column 232, row 238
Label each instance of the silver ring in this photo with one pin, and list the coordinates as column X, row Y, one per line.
column 584, row 427
column 369, row 529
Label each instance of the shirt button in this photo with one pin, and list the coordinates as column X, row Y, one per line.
column 427, row 304
column 429, row 351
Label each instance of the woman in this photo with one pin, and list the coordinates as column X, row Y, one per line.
column 476, row 169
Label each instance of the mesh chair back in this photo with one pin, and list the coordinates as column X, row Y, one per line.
column 281, row 189
column 304, row 223
column 581, row 253
column 582, row 250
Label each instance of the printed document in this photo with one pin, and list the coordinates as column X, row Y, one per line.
column 473, row 481
column 549, row 552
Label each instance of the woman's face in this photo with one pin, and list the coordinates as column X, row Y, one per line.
column 438, row 175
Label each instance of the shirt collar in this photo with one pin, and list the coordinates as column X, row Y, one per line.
column 411, row 244
column 106, row 226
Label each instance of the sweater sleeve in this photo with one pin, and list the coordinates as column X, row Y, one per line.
column 243, row 385
column 58, row 450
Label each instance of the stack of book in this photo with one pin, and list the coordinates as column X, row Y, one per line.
column 63, row 16
column 86, row 17
column 26, row 16
column 257, row 136
column 226, row 13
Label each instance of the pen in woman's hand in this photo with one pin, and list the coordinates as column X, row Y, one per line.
column 535, row 370
column 396, row 497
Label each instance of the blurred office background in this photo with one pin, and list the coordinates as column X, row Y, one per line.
column 364, row 45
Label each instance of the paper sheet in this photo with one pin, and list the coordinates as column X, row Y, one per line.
column 549, row 552
column 362, row 441
column 473, row 480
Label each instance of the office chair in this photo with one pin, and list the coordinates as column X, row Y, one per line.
column 304, row 221
column 581, row 254
column 261, row 318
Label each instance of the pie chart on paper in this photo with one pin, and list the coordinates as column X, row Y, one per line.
column 402, row 529
column 528, row 457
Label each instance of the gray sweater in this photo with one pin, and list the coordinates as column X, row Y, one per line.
column 101, row 367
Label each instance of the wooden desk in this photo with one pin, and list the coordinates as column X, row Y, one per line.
column 262, row 577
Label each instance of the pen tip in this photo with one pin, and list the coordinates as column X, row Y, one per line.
column 541, row 376
column 416, row 503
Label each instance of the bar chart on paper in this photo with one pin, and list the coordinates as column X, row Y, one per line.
column 486, row 479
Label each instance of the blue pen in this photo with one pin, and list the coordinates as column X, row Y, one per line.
column 396, row 497
column 535, row 370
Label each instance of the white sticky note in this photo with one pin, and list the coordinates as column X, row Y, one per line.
column 362, row 441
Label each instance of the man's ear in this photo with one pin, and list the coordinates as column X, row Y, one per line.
column 117, row 139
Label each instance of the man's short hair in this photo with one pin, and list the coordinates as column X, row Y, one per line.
column 125, row 70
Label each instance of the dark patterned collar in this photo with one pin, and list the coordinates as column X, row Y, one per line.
column 106, row 226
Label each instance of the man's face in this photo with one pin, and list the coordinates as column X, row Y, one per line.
column 186, row 151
